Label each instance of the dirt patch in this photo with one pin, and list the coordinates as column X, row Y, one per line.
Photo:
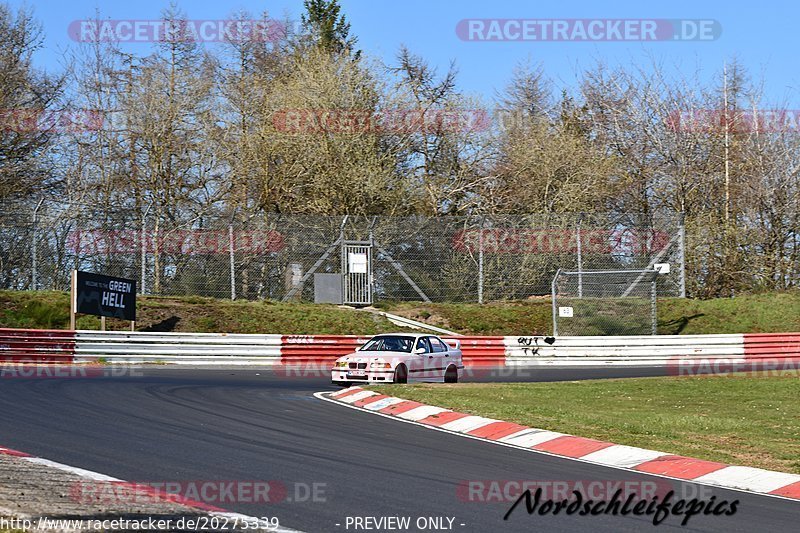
column 423, row 314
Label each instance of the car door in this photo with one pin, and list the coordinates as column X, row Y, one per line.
column 422, row 362
column 441, row 356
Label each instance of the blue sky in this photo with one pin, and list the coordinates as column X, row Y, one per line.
column 761, row 34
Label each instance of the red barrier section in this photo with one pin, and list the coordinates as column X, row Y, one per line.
column 771, row 344
column 482, row 351
column 37, row 346
column 773, row 353
column 305, row 349
column 311, row 349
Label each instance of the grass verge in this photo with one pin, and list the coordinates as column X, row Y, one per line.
column 749, row 420
column 50, row 310
column 773, row 312
column 757, row 313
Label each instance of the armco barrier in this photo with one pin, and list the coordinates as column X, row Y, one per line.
column 633, row 350
column 36, row 346
column 193, row 348
column 686, row 353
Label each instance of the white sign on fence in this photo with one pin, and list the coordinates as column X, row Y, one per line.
column 357, row 263
column 565, row 312
column 661, row 268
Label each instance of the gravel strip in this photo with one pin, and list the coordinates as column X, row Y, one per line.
column 35, row 491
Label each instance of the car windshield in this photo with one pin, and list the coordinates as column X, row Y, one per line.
column 389, row 343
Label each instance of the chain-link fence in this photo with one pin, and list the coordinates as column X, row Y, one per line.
column 454, row 259
column 605, row 302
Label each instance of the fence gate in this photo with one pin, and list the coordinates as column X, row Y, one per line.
column 604, row 302
column 357, row 273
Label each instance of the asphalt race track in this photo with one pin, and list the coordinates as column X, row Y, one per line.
column 183, row 424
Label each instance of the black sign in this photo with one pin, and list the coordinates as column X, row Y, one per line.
column 106, row 296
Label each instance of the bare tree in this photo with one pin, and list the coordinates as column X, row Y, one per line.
column 27, row 98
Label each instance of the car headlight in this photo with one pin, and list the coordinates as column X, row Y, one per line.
column 340, row 364
column 380, row 365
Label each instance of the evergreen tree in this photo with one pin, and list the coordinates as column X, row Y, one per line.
column 327, row 28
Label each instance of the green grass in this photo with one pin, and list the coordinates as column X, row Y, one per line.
column 50, row 310
column 758, row 313
column 743, row 419
column 773, row 312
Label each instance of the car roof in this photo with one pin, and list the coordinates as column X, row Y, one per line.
column 406, row 334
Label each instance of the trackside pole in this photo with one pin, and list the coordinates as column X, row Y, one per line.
column 73, row 299
column 653, row 310
column 480, row 264
column 580, row 259
column 232, row 262
column 553, row 299
column 682, row 248
column 34, row 247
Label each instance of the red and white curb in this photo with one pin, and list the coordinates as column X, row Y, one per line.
column 145, row 489
column 741, row 478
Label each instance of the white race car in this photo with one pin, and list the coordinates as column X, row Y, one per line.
column 400, row 358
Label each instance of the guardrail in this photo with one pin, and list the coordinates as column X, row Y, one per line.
column 684, row 352
column 37, row 345
column 132, row 347
column 660, row 349
column 193, row 348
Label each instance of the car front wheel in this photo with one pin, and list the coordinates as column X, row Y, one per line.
column 401, row 374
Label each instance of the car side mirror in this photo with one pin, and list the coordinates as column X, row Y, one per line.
column 419, row 351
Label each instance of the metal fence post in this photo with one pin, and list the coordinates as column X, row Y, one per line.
column 553, row 299
column 34, row 248
column 143, row 238
column 480, row 263
column 653, row 312
column 233, row 264
column 682, row 252
column 580, row 258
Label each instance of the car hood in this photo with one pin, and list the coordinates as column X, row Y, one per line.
column 363, row 357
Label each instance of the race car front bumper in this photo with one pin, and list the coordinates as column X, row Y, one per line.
column 345, row 376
